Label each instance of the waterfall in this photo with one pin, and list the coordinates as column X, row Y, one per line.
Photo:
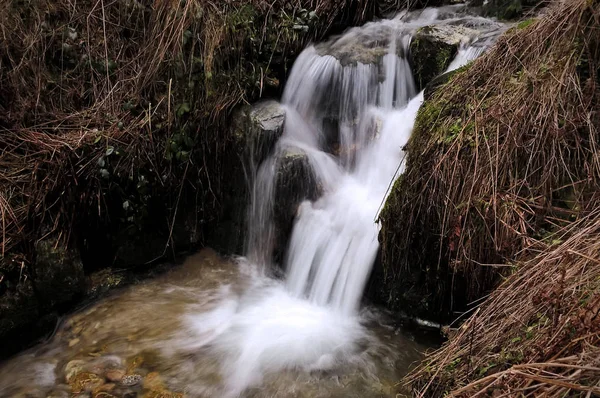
column 373, row 107
column 350, row 107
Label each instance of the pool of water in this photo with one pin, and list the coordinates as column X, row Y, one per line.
column 214, row 327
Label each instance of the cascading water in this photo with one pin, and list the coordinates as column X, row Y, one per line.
column 374, row 105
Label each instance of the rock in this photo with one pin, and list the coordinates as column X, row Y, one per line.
column 431, row 53
column 508, row 9
column 368, row 46
column 19, row 307
column 58, row 394
column 437, row 82
column 104, row 364
column 115, row 375
column 85, row 382
column 295, row 182
column 103, row 394
column 255, row 130
column 131, row 380
column 153, row 381
column 162, row 394
column 73, row 368
column 59, row 276
column 103, row 281
column 105, row 388
column 30, row 393
column 258, row 127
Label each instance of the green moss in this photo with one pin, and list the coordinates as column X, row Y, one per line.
column 430, row 57
column 524, row 24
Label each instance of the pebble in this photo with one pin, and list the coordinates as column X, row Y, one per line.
column 131, row 380
column 103, row 364
column 105, row 388
column 153, row 382
column 73, row 368
column 115, row 375
column 86, row 382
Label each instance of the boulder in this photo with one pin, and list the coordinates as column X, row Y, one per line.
column 258, row 127
column 432, row 49
column 255, row 130
column 508, row 9
column 295, row 182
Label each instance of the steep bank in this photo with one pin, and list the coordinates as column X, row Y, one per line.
column 502, row 182
column 502, row 156
column 116, row 146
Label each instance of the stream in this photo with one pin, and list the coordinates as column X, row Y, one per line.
column 229, row 327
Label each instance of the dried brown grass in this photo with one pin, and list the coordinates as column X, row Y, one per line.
column 538, row 334
column 501, row 158
column 78, row 78
column 505, row 166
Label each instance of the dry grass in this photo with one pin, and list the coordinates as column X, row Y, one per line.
column 537, row 335
column 502, row 158
column 503, row 182
column 97, row 94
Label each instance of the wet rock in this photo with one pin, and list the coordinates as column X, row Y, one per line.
column 258, row 127
column 115, row 375
column 59, row 276
column 19, row 307
column 105, row 388
column 392, row 6
column 103, row 281
column 507, row 9
column 368, row 46
column 153, row 381
column 85, row 382
column 103, row 365
column 437, row 82
column 162, row 394
column 58, row 394
column 255, row 130
column 432, row 50
column 131, row 380
column 103, row 394
column 30, row 393
column 295, row 182
column 73, row 368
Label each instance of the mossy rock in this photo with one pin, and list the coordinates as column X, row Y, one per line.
column 430, row 54
column 19, row 307
column 257, row 128
column 508, row 9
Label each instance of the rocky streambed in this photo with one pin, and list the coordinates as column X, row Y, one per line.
column 163, row 338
